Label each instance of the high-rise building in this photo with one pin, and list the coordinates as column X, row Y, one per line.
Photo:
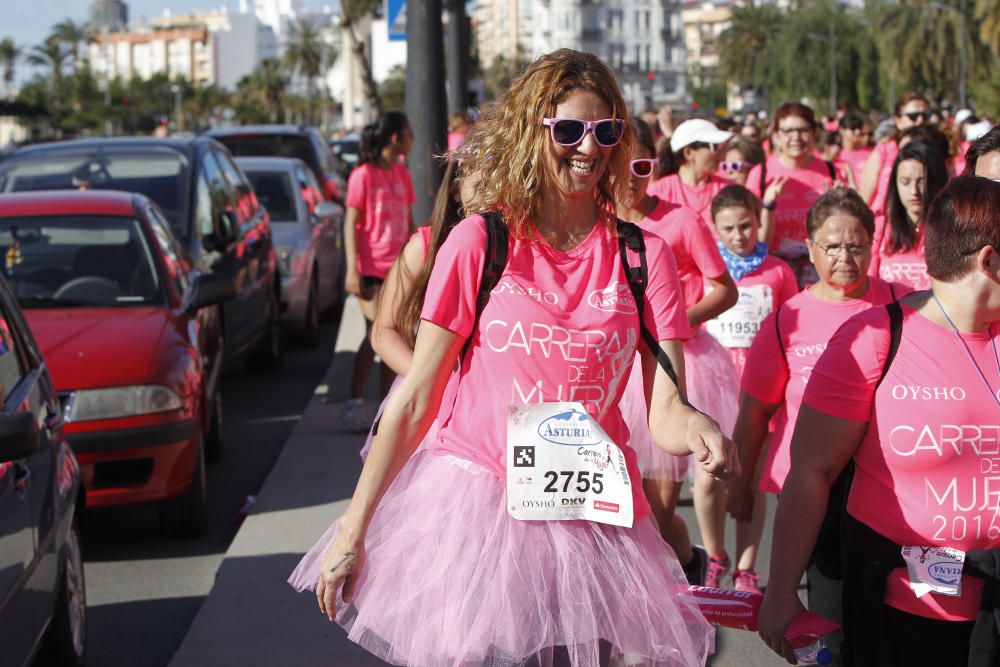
column 503, row 28
column 108, row 15
column 704, row 21
column 277, row 14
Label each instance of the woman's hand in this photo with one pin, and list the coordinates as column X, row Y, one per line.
column 776, row 612
column 352, row 282
column 739, row 499
column 340, row 566
column 774, row 191
column 714, row 452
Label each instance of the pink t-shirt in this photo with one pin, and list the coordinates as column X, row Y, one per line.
column 928, row 466
column 855, row 160
column 692, row 244
column 695, row 197
column 887, row 153
column 908, row 267
column 455, row 140
column 559, row 326
column 383, row 197
column 424, row 233
column 771, row 377
column 778, row 283
column 804, row 187
column 960, row 160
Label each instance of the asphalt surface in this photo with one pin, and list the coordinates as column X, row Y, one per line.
column 143, row 591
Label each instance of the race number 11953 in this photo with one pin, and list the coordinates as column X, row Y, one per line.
column 585, row 481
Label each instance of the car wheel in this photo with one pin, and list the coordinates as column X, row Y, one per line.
column 65, row 642
column 309, row 336
column 214, row 446
column 268, row 355
column 187, row 515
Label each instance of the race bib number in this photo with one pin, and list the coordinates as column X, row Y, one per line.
column 562, row 466
column 737, row 326
column 934, row 570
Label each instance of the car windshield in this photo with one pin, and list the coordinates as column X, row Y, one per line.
column 159, row 172
column 274, row 191
column 69, row 261
column 270, row 145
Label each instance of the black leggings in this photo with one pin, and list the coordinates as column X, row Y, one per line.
column 915, row 640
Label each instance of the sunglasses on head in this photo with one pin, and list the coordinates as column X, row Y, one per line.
column 571, row 131
column 643, row 167
column 914, row 116
column 734, row 165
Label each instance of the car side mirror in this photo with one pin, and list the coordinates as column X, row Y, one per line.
column 210, row 289
column 19, row 435
column 226, row 233
column 327, row 211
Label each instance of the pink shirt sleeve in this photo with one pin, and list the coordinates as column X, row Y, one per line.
column 843, row 382
column 664, row 313
column 357, row 188
column 766, row 373
column 703, row 250
column 753, row 180
column 454, row 283
column 789, row 287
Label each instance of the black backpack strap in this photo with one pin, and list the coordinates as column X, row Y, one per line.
column 777, row 330
column 630, row 238
column 497, row 238
column 895, row 311
column 832, row 169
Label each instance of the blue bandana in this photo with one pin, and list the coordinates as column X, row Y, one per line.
column 743, row 266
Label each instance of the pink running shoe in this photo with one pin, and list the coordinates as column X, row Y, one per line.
column 717, row 569
column 746, row 581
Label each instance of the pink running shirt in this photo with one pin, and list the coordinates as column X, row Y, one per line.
column 806, row 325
column 559, row 326
column 803, row 188
column 855, row 160
column 928, row 466
column 383, row 198
column 778, row 277
column 695, row 197
column 908, row 268
column 887, row 153
column 693, row 247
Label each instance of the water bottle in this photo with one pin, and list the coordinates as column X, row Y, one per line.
column 814, row 654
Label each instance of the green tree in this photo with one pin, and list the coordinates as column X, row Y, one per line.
column 393, row 90
column 51, row 54
column 260, row 94
column 352, row 11
column 497, row 77
column 746, row 45
column 308, row 55
column 987, row 13
column 9, row 55
column 71, row 34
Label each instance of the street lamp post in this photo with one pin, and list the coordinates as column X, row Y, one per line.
column 458, row 55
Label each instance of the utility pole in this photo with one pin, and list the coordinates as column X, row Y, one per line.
column 458, row 55
column 425, row 100
column 833, row 66
column 963, row 100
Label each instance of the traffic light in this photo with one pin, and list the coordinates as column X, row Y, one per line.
column 651, row 76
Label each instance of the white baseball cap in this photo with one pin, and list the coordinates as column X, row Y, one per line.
column 977, row 130
column 697, row 130
column 962, row 115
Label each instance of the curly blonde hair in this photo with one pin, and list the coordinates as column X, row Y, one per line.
column 509, row 143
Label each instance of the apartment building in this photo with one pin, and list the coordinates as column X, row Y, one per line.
column 704, row 21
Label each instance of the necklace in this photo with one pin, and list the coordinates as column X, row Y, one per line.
column 965, row 346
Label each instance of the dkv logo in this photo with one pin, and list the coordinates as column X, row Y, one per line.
column 945, row 572
column 573, row 428
column 615, row 298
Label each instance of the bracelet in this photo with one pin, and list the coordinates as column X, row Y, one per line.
column 770, row 207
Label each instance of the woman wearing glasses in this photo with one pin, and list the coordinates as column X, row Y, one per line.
column 711, row 378
column 789, row 342
column 918, row 175
column 788, row 183
column 924, row 460
column 437, row 562
column 742, row 155
column 688, row 176
column 912, row 109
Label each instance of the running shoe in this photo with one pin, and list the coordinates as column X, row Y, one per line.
column 746, row 581
column 353, row 416
column 717, row 569
column 697, row 567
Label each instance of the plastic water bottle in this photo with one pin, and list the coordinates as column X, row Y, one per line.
column 814, row 654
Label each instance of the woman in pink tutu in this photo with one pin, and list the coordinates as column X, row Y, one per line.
column 461, row 554
column 398, row 311
column 711, row 379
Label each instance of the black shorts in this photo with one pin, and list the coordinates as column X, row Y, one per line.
column 372, row 281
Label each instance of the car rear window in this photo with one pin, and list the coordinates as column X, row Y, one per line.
column 274, row 191
column 270, row 145
column 159, row 172
column 69, row 261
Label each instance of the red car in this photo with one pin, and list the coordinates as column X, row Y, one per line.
column 131, row 336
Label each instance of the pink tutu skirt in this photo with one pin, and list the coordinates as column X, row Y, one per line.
column 713, row 388
column 450, row 579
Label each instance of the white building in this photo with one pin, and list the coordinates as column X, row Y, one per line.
column 642, row 40
column 274, row 13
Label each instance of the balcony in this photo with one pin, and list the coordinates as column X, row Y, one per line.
column 669, row 36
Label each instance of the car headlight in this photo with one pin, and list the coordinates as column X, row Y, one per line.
column 285, row 255
column 91, row 404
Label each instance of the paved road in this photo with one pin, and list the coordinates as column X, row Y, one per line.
column 143, row 591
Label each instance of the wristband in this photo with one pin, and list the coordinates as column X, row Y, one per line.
column 770, row 207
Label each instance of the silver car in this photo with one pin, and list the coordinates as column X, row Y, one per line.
column 308, row 240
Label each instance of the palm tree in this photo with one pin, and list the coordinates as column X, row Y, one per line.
column 353, row 11
column 305, row 52
column 52, row 53
column 71, row 34
column 743, row 44
column 269, row 83
column 987, row 13
column 9, row 53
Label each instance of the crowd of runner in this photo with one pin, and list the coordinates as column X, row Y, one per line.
column 604, row 308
